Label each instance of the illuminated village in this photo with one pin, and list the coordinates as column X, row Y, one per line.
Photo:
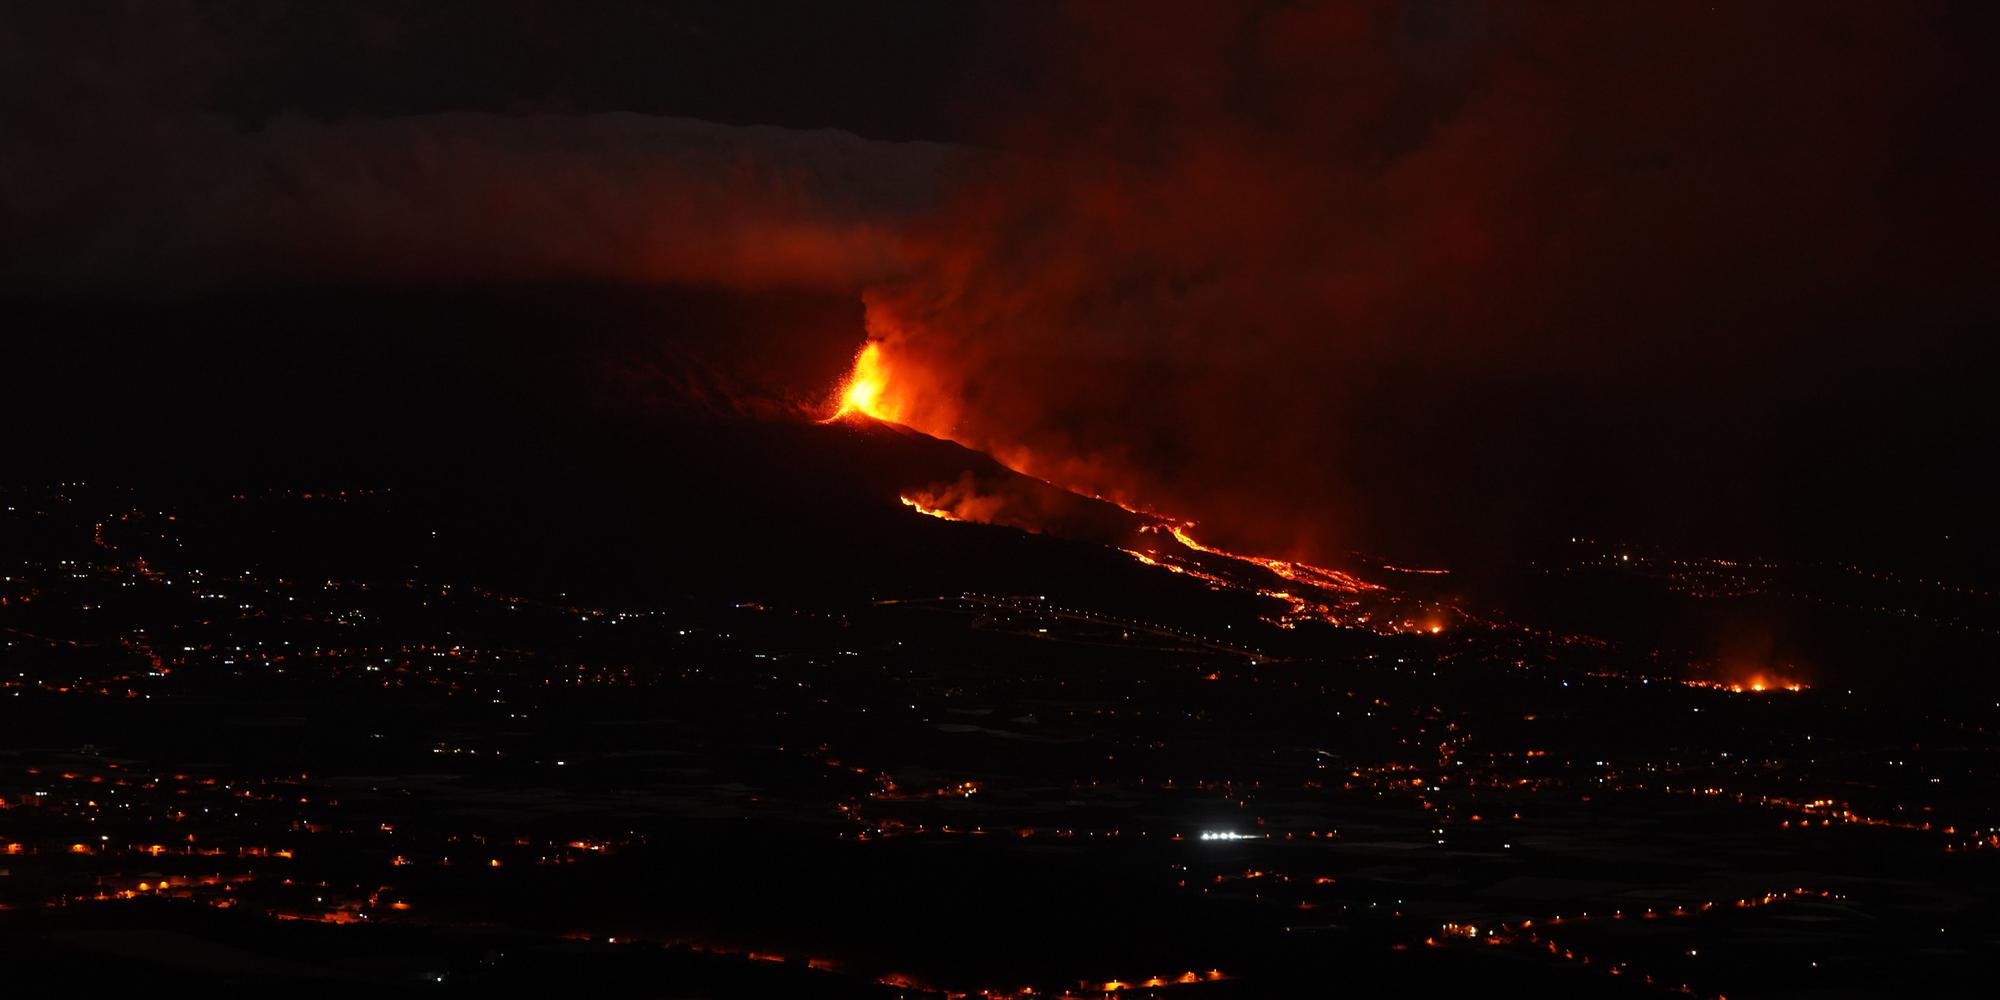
column 1254, row 796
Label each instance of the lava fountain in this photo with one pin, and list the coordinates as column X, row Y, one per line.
column 861, row 391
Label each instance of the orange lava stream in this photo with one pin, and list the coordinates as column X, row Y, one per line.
column 865, row 392
column 937, row 512
column 1757, row 684
column 1297, row 572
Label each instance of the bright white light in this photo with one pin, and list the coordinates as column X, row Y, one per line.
column 1225, row 835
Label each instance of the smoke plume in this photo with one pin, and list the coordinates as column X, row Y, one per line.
column 1333, row 273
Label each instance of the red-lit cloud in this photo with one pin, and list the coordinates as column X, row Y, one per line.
column 119, row 173
column 1328, row 271
column 474, row 197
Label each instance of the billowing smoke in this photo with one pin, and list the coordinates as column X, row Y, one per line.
column 1326, row 274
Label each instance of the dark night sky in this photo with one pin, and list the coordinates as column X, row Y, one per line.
column 1427, row 277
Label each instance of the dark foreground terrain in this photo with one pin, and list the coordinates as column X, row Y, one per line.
column 369, row 738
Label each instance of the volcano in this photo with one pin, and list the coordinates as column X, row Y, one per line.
column 707, row 662
column 675, row 443
column 700, row 464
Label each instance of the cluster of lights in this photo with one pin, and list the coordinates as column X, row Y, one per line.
column 1226, row 835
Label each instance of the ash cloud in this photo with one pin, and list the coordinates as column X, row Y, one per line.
column 1335, row 274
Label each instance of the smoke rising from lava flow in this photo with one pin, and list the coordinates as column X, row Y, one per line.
column 1328, row 272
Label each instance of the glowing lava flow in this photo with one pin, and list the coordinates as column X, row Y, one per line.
column 936, row 512
column 1339, row 591
column 1296, row 572
column 1755, row 684
column 1317, row 593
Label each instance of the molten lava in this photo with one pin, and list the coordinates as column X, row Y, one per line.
column 938, row 512
column 1309, row 593
column 1757, row 683
column 862, row 391
column 1297, row 572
